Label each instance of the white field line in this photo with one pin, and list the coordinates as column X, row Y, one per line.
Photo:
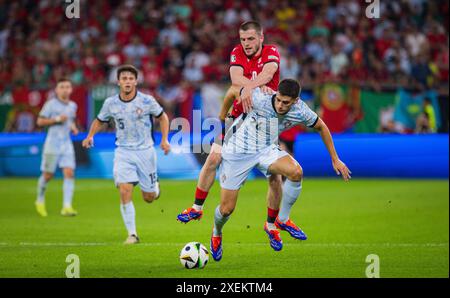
column 75, row 244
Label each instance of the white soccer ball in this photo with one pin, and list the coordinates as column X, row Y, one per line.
column 194, row 255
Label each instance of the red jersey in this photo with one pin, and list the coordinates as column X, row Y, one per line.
column 253, row 66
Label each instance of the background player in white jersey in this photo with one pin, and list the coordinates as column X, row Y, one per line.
column 252, row 142
column 58, row 114
column 134, row 157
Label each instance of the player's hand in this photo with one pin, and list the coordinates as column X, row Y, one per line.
column 267, row 90
column 165, row 146
column 246, row 99
column 341, row 169
column 88, row 142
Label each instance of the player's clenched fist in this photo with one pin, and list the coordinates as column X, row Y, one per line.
column 165, row 146
column 88, row 142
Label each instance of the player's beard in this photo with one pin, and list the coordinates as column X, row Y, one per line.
column 254, row 53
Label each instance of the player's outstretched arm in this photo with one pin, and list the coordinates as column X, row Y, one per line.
column 96, row 126
column 164, row 124
column 338, row 165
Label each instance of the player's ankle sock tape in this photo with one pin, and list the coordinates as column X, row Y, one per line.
column 271, row 215
column 200, row 196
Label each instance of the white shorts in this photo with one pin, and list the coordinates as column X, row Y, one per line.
column 136, row 167
column 50, row 161
column 235, row 168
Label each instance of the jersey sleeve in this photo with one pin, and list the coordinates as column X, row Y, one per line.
column 105, row 112
column 46, row 111
column 236, row 57
column 271, row 55
column 306, row 116
column 153, row 107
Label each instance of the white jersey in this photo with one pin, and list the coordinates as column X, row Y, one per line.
column 58, row 139
column 256, row 131
column 133, row 119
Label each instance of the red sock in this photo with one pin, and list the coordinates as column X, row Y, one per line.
column 271, row 215
column 200, row 196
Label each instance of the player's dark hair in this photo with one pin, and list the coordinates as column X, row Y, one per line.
column 251, row 25
column 129, row 68
column 289, row 87
column 63, row 79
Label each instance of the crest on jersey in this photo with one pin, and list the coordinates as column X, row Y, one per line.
column 287, row 124
column 139, row 112
column 233, row 58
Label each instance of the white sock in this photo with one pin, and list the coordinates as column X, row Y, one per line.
column 291, row 191
column 68, row 187
column 197, row 207
column 271, row 226
column 42, row 185
column 128, row 215
column 157, row 189
column 219, row 222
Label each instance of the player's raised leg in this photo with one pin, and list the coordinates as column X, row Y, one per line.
column 204, row 184
column 145, row 161
column 291, row 169
column 208, row 171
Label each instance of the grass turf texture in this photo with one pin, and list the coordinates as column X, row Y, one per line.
column 404, row 222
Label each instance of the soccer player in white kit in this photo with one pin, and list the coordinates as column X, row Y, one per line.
column 134, row 156
column 252, row 142
column 58, row 114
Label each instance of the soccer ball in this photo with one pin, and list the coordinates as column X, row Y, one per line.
column 194, row 255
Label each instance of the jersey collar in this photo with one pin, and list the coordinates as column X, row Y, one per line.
column 62, row 101
column 127, row 101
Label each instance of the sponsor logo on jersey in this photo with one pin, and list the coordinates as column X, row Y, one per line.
column 273, row 57
column 233, row 58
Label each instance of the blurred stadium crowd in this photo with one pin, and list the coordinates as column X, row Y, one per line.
column 181, row 46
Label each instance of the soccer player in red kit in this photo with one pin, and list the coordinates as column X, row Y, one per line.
column 252, row 64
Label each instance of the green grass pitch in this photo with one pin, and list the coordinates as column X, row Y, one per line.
column 404, row 222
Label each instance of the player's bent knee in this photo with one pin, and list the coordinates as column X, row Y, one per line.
column 297, row 174
column 69, row 174
column 226, row 210
column 149, row 197
column 48, row 176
